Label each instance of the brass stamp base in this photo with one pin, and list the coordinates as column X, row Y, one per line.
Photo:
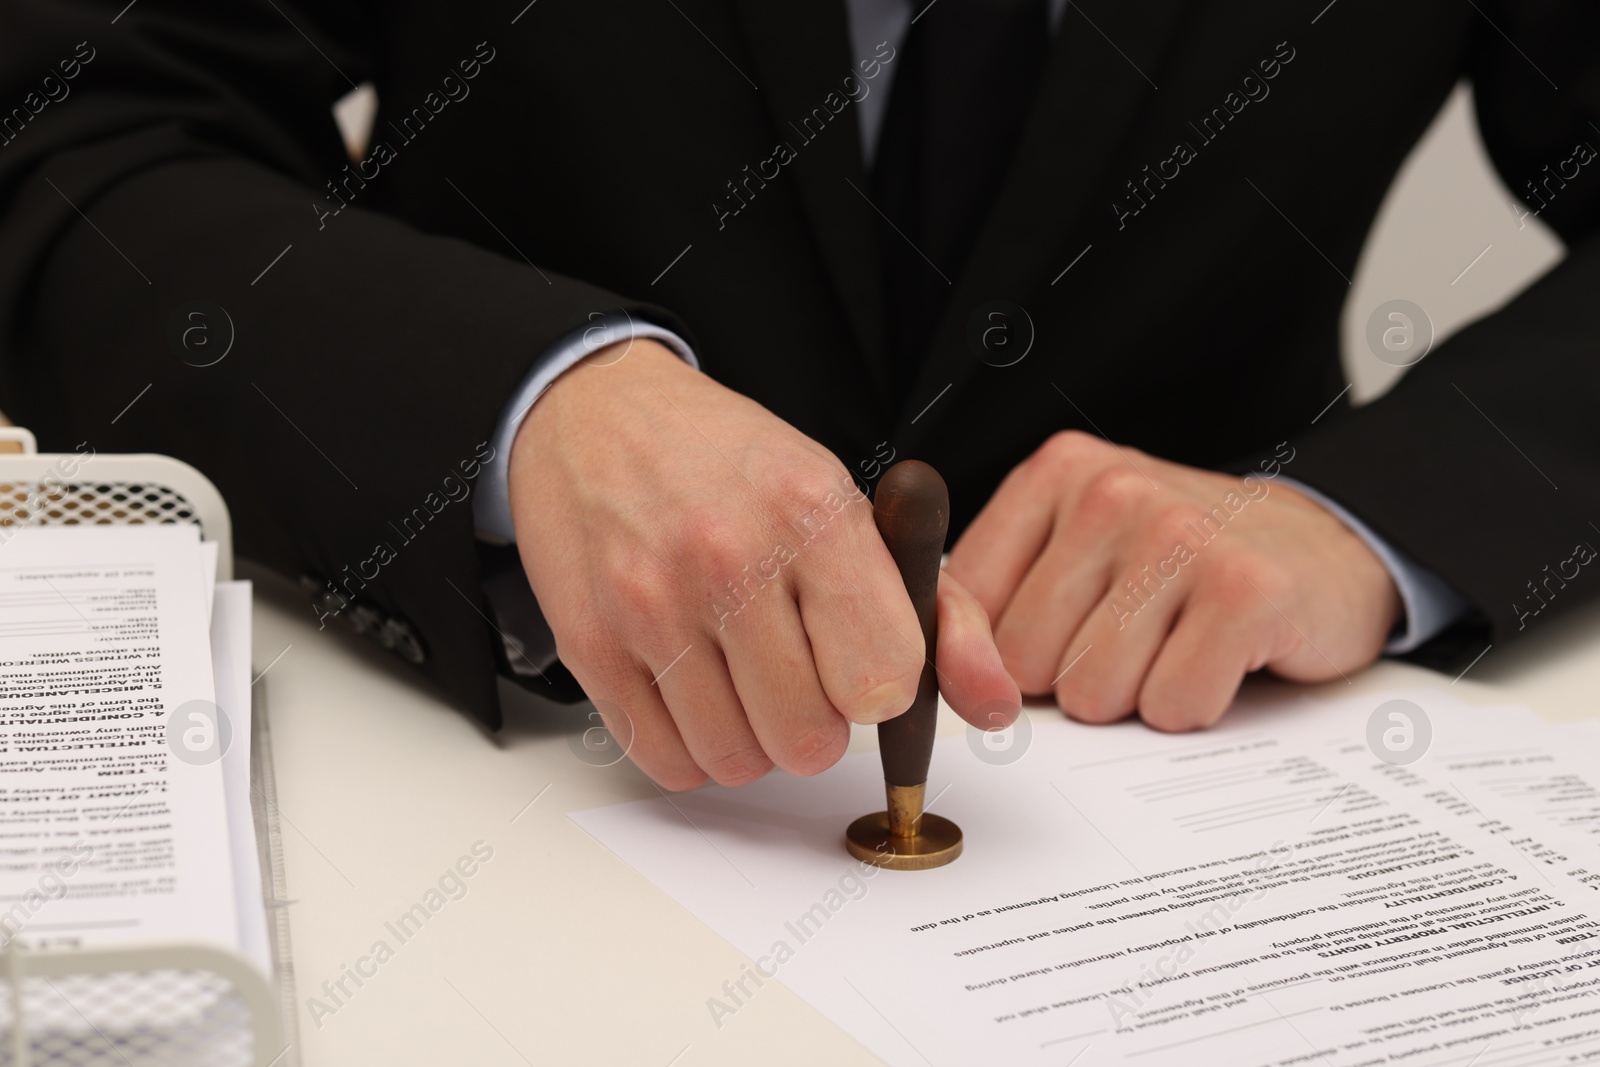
column 936, row 843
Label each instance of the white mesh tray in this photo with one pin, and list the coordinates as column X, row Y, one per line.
column 172, row 1005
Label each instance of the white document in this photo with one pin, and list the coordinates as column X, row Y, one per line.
column 209, row 550
column 1268, row 892
column 1513, row 760
column 106, row 837
column 230, row 658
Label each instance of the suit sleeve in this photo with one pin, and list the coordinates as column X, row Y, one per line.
column 1483, row 464
column 343, row 377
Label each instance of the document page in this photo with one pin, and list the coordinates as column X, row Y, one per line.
column 1552, row 775
column 113, row 822
column 1281, row 889
column 230, row 664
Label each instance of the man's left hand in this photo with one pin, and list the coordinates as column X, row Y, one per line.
column 1122, row 583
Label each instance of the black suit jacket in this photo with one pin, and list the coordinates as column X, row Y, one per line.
column 539, row 164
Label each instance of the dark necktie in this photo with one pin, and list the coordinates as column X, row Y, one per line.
column 968, row 74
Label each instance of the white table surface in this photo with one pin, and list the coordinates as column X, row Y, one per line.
column 559, row 953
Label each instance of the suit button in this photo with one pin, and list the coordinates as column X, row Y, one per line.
column 324, row 601
column 400, row 637
column 366, row 620
column 392, row 633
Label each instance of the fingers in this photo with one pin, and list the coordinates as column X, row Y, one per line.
column 1061, row 587
column 776, row 680
column 1223, row 633
column 972, row 676
column 991, row 557
column 709, row 717
column 863, row 632
column 1000, row 546
column 1105, row 663
column 636, row 717
column 1103, row 666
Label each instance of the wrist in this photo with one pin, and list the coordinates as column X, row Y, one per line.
column 594, row 404
column 1367, row 580
column 607, row 369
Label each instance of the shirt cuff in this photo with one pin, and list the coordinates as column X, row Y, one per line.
column 491, row 508
column 1430, row 604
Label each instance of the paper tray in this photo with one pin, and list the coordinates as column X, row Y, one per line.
column 172, row 1005
column 175, row 1005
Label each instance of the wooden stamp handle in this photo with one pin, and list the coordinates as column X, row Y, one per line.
column 912, row 510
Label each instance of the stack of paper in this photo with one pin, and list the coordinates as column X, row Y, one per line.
column 1397, row 879
column 125, row 743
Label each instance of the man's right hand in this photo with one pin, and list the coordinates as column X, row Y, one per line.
column 715, row 576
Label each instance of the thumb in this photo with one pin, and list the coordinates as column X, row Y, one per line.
column 971, row 675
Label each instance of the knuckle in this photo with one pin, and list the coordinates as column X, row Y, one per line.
column 816, row 503
column 1172, row 713
column 1171, row 525
column 739, row 766
column 1248, row 581
column 1066, row 448
column 815, row 750
column 1168, row 720
column 716, row 545
column 1089, row 706
column 880, row 693
column 641, row 586
column 1114, row 492
column 807, row 481
column 638, row 592
column 594, row 650
column 906, row 673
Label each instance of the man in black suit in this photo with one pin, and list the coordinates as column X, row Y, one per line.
column 708, row 266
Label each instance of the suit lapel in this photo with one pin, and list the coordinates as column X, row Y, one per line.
column 1090, row 96
column 801, row 54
